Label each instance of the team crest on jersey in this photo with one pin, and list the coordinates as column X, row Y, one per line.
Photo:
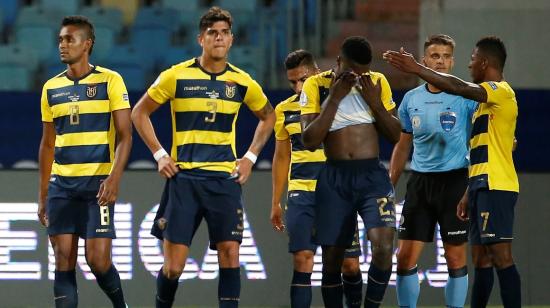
column 91, row 91
column 416, row 121
column 447, row 120
column 230, row 90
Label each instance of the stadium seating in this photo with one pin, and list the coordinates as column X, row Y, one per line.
column 14, row 54
column 108, row 17
column 9, row 10
column 15, row 77
column 174, row 55
column 40, row 39
column 38, row 16
column 152, row 42
column 104, row 42
column 67, row 7
column 133, row 75
column 128, row 8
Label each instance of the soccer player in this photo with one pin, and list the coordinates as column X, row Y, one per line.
column 438, row 124
column 204, row 176
column 493, row 184
column 86, row 140
column 346, row 109
column 294, row 165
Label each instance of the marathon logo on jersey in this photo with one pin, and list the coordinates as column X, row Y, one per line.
column 230, row 90
column 447, row 120
column 91, row 91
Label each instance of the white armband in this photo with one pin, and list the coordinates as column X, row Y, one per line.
column 160, row 154
column 251, row 156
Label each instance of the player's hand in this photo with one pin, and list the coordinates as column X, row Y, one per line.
column 42, row 216
column 167, row 167
column 462, row 208
column 402, row 60
column 242, row 170
column 276, row 217
column 342, row 84
column 108, row 191
column 369, row 91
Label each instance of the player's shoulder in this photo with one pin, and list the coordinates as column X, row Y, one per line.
column 501, row 88
column 190, row 63
column 289, row 103
column 108, row 73
column 240, row 75
column 56, row 81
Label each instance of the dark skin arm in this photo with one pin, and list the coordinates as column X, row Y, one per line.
column 108, row 190
column 45, row 160
column 405, row 62
column 386, row 123
column 279, row 176
column 315, row 127
column 266, row 115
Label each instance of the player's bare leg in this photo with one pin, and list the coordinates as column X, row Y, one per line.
column 175, row 256
column 229, row 285
column 65, row 247
column 380, row 269
column 98, row 257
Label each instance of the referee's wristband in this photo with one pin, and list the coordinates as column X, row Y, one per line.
column 251, row 156
column 160, row 154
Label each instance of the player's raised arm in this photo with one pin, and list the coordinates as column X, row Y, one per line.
column 315, row 127
column 405, row 62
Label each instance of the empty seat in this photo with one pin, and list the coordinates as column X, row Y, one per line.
column 40, row 39
column 130, row 55
column 9, row 10
column 67, row 7
column 109, row 17
column 240, row 5
column 15, row 77
column 38, row 16
column 172, row 56
column 151, row 42
column 128, row 8
column 133, row 75
column 18, row 55
column 157, row 17
column 104, row 42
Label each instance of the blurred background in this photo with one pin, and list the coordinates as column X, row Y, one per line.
column 140, row 38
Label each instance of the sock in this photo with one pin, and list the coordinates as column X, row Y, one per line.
column 64, row 289
column 510, row 286
column 353, row 289
column 166, row 290
column 483, row 284
column 331, row 289
column 300, row 290
column 407, row 287
column 456, row 288
column 109, row 282
column 229, row 287
column 376, row 287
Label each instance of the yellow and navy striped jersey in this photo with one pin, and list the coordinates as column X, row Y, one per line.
column 316, row 89
column 492, row 139
column 304, row 165
column 204, row 110
column 80, row 110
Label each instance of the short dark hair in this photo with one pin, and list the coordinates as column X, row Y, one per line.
column 83, row 23
column 493, row 47
column 439, row 39
column 357, row 49
column 213, row 15
column 298, row 58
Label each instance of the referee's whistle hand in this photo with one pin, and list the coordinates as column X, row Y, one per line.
column 167, row 167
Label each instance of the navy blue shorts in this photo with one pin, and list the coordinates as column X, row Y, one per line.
column 432, row 197
column 186, row 201
column 300, row 218
column 347, row 188
column 73, row 212
column 491, row 216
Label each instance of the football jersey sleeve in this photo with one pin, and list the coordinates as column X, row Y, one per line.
column 47, row 115
column 280, row 131
column 386, row 95
column 497, row 92
column 118, row 95
column 404, row 118
column 164, row 87
column 310, row 98
column 255, row 98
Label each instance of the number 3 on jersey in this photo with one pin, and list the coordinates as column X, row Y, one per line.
column 212, row 109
